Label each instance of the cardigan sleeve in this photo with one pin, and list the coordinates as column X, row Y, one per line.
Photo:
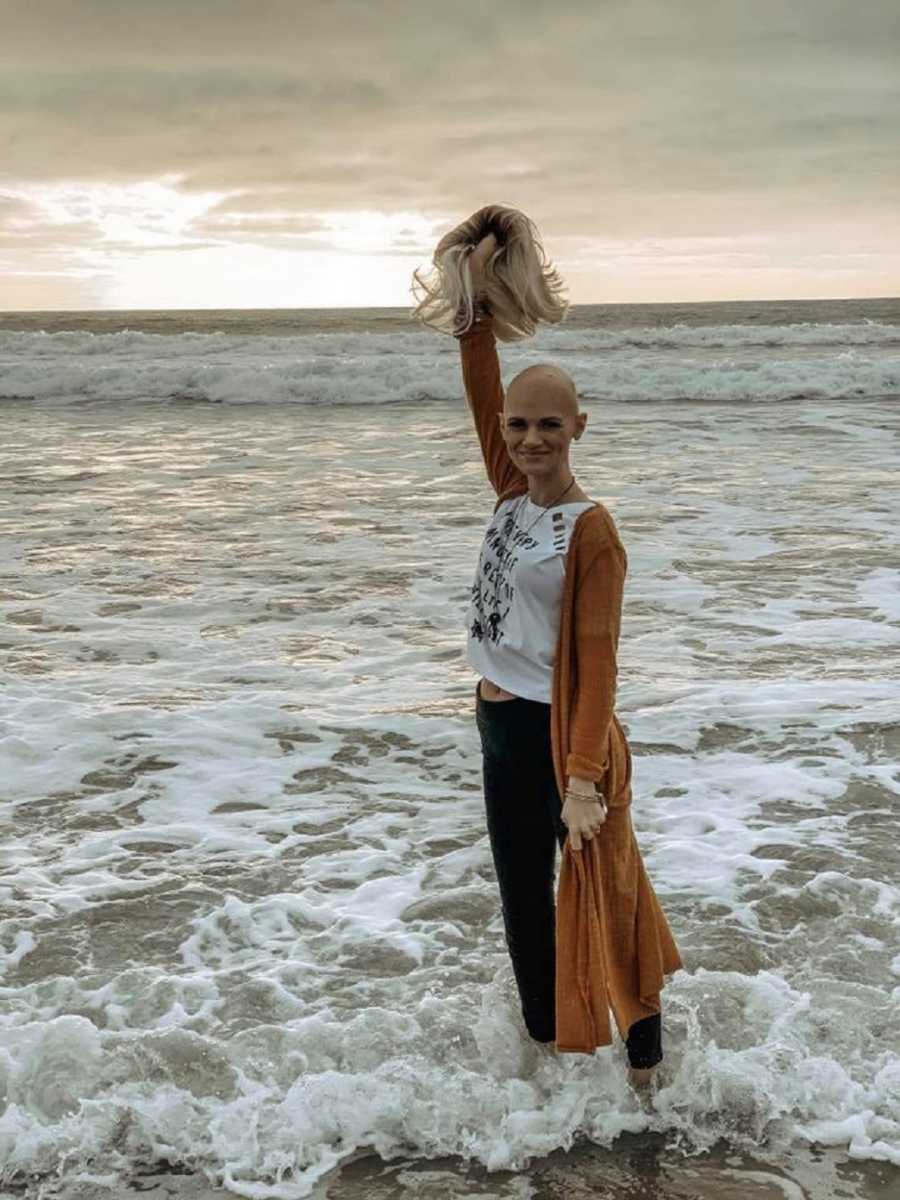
column 484, row 392
column 597, row 620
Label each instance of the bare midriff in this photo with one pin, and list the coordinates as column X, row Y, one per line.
column 490, row 691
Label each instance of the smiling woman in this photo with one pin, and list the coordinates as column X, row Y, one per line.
column 542, row 631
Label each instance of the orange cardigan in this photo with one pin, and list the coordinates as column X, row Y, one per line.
column 613, row 942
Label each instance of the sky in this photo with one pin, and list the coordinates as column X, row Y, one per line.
column 282, row 153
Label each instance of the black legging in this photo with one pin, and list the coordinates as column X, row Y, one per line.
column 524, row 821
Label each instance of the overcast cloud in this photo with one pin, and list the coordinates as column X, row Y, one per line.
column 313, row 152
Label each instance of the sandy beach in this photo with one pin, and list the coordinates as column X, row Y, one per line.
column 638, row 1165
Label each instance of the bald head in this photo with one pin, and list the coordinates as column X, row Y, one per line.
column 546, row 384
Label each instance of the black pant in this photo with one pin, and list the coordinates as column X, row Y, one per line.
column 524, row 824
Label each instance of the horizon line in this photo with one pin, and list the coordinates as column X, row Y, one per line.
column 400, row 307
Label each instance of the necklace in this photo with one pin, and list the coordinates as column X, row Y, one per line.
column 501, row 551
column 538, row 517
column 543, row 510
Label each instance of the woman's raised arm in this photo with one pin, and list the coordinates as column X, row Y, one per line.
column 484, row 387
column 484, row 392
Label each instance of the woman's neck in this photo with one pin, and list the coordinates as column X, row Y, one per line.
column 546, row 492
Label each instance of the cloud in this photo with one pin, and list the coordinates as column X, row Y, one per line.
column 630, row 119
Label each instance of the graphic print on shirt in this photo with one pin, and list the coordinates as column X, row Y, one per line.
column 559, row 532
column 494, row 589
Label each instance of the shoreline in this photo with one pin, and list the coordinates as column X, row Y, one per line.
column 635, row 1165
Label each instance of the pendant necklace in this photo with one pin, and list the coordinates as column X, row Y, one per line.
column 543, row 511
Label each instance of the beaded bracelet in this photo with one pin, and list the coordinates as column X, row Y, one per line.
column 481, row 309
column 583, row 796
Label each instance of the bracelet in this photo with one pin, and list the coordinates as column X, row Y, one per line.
column 481, row 310
column 593, row 797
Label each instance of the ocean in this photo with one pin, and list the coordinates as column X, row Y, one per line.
column 250, row 935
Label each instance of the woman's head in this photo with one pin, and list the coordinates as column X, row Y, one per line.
column 539, row 420
column 518, row 281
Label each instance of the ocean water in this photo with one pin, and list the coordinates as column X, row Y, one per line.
column 250, row 934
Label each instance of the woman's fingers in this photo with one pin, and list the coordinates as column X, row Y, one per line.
column 583, row 818
column 585, row 831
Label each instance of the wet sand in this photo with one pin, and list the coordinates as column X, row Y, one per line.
column 636, row 1166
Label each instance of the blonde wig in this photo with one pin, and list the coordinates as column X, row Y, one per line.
column 519, row 283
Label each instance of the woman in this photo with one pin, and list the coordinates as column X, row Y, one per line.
column 543, row 626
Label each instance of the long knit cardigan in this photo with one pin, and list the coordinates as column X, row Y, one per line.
column 614, row 947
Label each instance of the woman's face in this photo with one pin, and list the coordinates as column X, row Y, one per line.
column 540, row 419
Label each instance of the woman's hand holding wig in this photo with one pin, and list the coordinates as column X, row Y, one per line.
column 518, row 283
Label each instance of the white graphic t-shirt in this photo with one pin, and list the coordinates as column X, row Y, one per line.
column 513, row 616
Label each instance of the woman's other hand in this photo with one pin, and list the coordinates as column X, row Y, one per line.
column 583, row 817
